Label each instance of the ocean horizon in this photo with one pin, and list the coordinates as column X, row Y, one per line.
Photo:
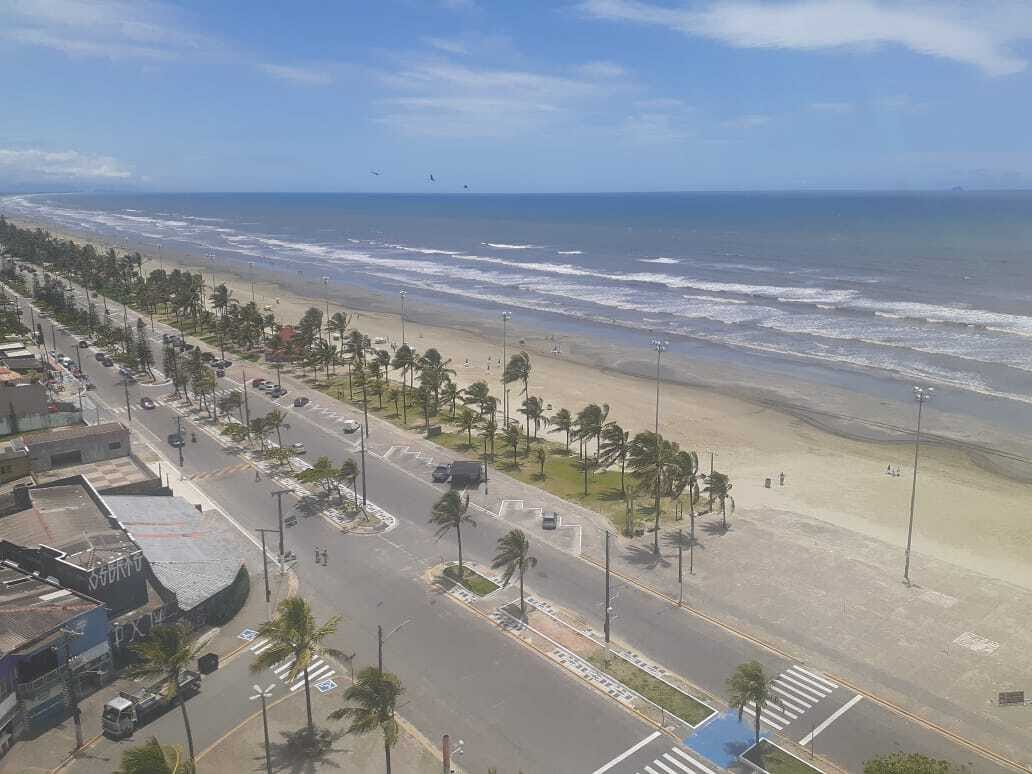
column 891, row 288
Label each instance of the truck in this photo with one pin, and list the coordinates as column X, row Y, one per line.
column 131, row 709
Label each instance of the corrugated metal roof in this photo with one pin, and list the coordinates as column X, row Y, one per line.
column 191, row 554
column 26, row 613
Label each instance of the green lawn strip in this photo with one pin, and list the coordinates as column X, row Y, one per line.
column 776, row 761
column 472, row 580
column 652, row 688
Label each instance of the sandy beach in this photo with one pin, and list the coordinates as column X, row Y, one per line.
column 965, row 514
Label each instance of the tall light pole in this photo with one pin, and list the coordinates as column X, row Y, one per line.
column 263, row 695
column 326, row 297
column 362, row 438
column 921, row 394
column 278, row 494
column 381, row 639
column 161, row 264
column 402, row 293
column 251, row 265
column 506, row 316
column 660, row 346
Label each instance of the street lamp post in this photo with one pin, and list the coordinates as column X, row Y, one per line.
column 362, row 437
column 921, row 394
column 506, row 316
column 263, row 695
column 73, row 694
column 402, row 293
column 326, row 298
column 278, row 494
column 660, row 346
column 251, row 265
column 381, row 639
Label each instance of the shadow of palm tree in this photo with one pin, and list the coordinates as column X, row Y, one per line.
column 611, row 495
column 310, row 505
column 715, row 527
column 287, row 757
column 683, row 540
column 644, row 557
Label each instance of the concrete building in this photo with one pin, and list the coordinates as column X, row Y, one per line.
column 52, row 640
column 14, row 460
column 25, row 405
column 77, row 445
column 122, row 475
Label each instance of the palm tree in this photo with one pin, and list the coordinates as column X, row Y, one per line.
column 562, row 422
column 339, row 322
column 511, row 434
column 651, row 459
column 220, row 298
column 404, row 361
column 166, row 652
column 541, row 456
column 518, row 370
column 372, row 699
column 718, row 486
column 477, row 393
column 467, row 421
column 450, row 392
column 275, row 420
column 488, row 431
column 749, row 684
column 450, row 513
column 686, row 474
column 349, row 472
column 153, row 758
column 534, row 408
column 513, row 554
column 294, row 633
column 615, row 444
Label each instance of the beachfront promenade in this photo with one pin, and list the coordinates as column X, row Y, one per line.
column 791, row 593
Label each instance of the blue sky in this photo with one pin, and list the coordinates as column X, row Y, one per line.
column 585, row 95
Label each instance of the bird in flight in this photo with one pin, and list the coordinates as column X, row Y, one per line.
column 466, row 187
column 374, row 172
column 432, row 178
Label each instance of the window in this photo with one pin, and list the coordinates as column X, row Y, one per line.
column 115, row 445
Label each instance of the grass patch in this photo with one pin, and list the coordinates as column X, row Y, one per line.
column 776, row 761
column 471, row 580
column 655, row 690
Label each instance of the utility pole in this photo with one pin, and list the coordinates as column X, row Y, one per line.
column 607, row 607
column 263, row 695
column 278, row 494
column 381, row 639
column 506, row 316
column 402, row 293
column 73, row 694
column 691, row 545
column 128, row 408
column 921, row 394
column 182, row 441
column 485, row 464
column 247, row 408
column 362, row 439
column 265, row 563
column 680, row 565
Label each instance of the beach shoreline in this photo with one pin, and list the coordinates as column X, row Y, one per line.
column 834, row 473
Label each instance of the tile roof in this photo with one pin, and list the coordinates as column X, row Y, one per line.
column 31, row 608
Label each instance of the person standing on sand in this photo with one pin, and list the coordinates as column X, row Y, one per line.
column 781, row 479
column 317, row 554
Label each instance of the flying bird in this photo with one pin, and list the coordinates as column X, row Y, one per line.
column 432, row 178
column 466, row 187
column 374, row 172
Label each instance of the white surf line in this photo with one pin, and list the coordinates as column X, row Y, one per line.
column 831, row 719
column 627, row 753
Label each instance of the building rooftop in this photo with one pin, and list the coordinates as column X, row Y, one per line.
column 192, row 554
column 31, row 608
column 75, row 431
column 69, row 518
column 104, row 475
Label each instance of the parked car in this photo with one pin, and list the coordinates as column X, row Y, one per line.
column 301, row 402
column 175, row 440
column 147, row 403
column 219, row 372
column 257, row 382
column 550, row 520
column 107, row 362
column 441, row 474
column 207, row 357
column 100, row 356
column 349, row 426
column 84, row 343
column 222, row 363
column 90, row 386
column 298, row 448
column 279, row 392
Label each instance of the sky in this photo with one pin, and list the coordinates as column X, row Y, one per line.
column 503, row 96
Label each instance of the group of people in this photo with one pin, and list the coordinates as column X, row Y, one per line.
column 891, row 471
column 321, row 556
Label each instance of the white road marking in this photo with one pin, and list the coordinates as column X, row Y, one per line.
column 824, row 680
column 673, row 761
column 627, row 754
column 800, row 676
column 791, row 701
column 278, row 671
column 831, row 719
column 800, row 688
column 687, row 757
column 663, row 766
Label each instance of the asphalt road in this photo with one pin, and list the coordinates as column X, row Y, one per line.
column 464, row 677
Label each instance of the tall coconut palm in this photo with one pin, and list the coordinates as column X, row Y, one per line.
column 167, row 651
column 294, row 634
column 749, row 684
column 348, row 472
column 562, row 422
column 275, row 420
column 534, row 409
column 450, row 393
column 686, row 474
column 615, row 444
column 404, row 361
column 339, row 324
column 512, row 555
column 467, row 420
column 541, row 457
column 718, row 486
column 477, row 393
column 651, row 459
column 450, row 513
column 518, row 370
column 152, row 757
column 371, row 701
column 488, row 432
column 511, row 434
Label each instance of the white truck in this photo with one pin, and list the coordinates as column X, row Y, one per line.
column 130, row 710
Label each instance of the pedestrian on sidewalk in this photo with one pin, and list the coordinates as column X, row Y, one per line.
column 317, row 554
column 325, row 558
column 257, row 475
column 781, row 479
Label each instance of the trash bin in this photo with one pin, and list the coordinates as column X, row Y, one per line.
column 766, row 483
column 208, row 663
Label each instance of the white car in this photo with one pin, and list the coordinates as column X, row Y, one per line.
column 298, row 448
column 350, row 426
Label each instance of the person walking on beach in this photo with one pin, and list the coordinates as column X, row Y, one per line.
column 325, row 558
column 317, row 554
column 781, row 479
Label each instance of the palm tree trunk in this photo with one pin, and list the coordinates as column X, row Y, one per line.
column 186, row 724
column 757, row 723
column 655, row 547
column 458, row 536
column 523, row 605
column 308, row 701
column 387, row 754
column 404, row 401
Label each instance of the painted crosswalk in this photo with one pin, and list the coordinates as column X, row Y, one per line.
column 677, row 761
column 320, row 672
column 797, row 690
column 215, row 475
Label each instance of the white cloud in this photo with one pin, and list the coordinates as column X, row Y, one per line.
column 448, row 45
column 653, row 129
column 601, row 69
column 110, row 29
column 978, row 34
column 308, row 76
column 834, row 108
column 747, row 122
column 34, row 164
column 660, row 103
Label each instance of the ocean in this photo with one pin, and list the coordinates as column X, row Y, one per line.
column 870, row 290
